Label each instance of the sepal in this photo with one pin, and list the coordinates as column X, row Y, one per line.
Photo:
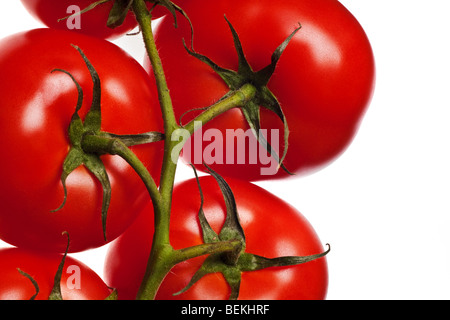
column 33, row 282
column 56, row 294
column 86, row 9
column 264, row 98
column 118, row 13
column 232, row 264
column 173, row 9
column 80, row 132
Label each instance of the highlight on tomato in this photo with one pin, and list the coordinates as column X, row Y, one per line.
column 272, row 229
column 30, row 275
column 321, row 84
column 37, row 106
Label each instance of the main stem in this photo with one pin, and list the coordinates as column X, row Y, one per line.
column 163, row 257
column 162, row 214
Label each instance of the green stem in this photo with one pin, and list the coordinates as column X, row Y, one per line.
column 163, row 257
column 143, row 17
column 206, row 248
column 100, row 144
column 233, row 100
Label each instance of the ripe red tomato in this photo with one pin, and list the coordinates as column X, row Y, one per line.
column 78, row 281
column 35, row 112
column 272, row 228
column 92, row 22
column 323, row 81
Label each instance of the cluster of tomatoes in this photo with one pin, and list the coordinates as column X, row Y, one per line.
column 323, row 82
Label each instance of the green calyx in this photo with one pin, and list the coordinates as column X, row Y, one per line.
column 88, row 142
column 231, row 264
column 77, row 130
column 172, row 7
column 118, row 13
column 56, row 293
column 116, row 16
column 264, row 98
column 121, row 8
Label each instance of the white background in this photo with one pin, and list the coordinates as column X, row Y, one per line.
column 384, row 205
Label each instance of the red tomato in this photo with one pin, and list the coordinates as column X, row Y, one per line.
column 78, row 281
column 323, row 81
column 272, row 228
column 35, row 112
column 92, row 22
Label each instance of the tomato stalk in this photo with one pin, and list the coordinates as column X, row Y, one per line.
column 115, row 146
column 163, row 257
column 239, row 97
column 143, row 17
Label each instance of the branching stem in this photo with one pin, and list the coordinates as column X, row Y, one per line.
column 163, row 257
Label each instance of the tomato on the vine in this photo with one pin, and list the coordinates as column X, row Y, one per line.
column 323, row 81
column 272, row 228
column 78, row 281
column 36, row 107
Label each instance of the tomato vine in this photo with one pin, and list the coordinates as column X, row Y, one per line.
column 248, row 92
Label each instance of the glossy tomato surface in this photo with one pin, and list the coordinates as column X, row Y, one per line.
column 78, row 281
column 324, row 80
column 35, row 111
column 272, row 228
column 91, row 23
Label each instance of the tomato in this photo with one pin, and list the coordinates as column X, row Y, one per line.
column 78, row 281
column 272, row 228
column 323, row 81
column 35, row 111
column 92, row 22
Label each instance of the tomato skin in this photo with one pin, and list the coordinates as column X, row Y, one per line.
column 78, row 281
column 91, row 23
column 324, row 80
column 290, row 234
column 35, row 112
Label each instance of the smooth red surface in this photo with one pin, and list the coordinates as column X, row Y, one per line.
column 35, row 111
